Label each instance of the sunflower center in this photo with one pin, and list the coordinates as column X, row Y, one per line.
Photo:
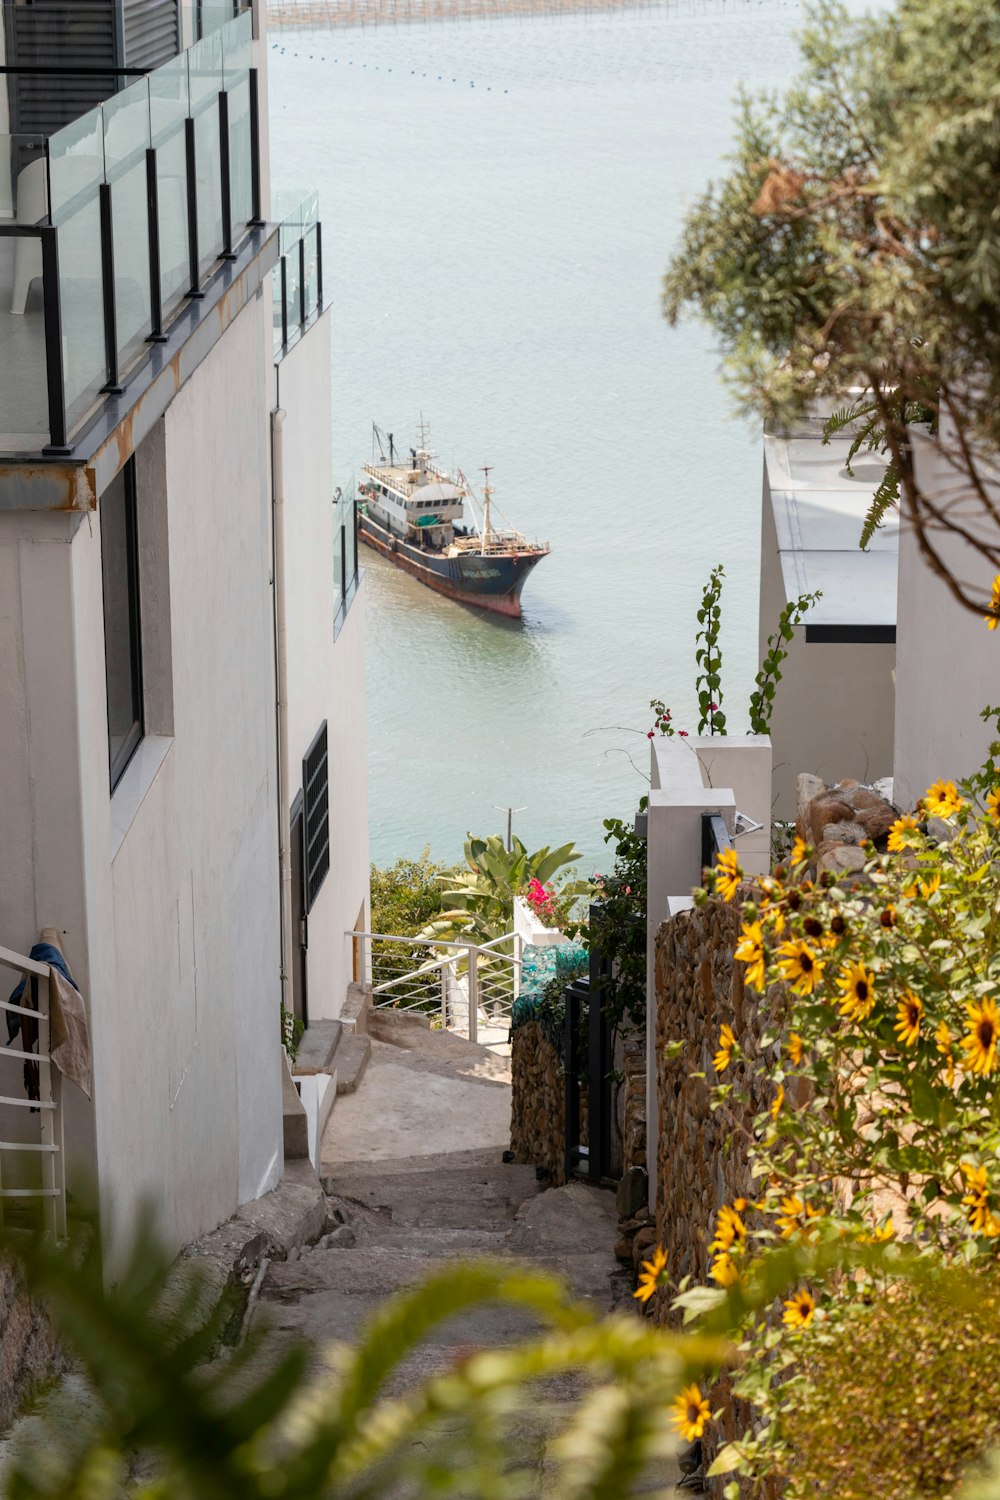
column 805, row 962
column 861, row 990
column 986, row 1034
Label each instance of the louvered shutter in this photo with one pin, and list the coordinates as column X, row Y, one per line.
column 316, row 799
column 50, row 33
column 151, row 32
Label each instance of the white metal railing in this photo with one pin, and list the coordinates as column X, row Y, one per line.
column 45, row 1151
column 467, row 988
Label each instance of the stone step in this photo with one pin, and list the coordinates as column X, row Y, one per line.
column 317, row 1046
column 353, row 1053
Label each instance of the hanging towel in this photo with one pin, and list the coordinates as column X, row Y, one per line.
column 68, row 1030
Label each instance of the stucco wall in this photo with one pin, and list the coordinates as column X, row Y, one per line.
column 325, row 676
column 166, row 894
column 948, row 663
column 833, row 709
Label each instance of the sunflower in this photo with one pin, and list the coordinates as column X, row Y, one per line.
column 799, row 1309
column 980, row 1041
column 724, row 1056
column 795, row 1217
column 776, row 1103
column 908, row 1013
column 942, row 1041
column 879, row 1234
column 977, row 1201
column 942, row 800
column 887, row 916
column 652, row 1275
column 689, row 1413
column 901, row 833
column 930, row 885
column 730, row 1230
column 992, row 617
column 771, row 894
column 724, row 1270
column 993, row 803
column 796, row 1049
column 800, row 851
column 799, row 966
column 858, row 1000
column 727, row 874
column 750, row 951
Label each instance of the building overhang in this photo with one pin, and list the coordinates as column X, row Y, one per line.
column 73, row 482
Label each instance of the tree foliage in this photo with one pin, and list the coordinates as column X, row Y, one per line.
column 852, row 254
column 479, row 900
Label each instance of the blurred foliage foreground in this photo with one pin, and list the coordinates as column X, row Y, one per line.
column 158, row 1409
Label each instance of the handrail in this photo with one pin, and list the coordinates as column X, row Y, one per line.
column 11, row 960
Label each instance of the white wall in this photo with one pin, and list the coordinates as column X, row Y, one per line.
column 325, row 676
column 833, row 709
column 947, row 661
column 166, row 893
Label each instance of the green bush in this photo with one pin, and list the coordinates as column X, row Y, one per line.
column 407, row 895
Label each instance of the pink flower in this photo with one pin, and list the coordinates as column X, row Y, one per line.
column 713, row 708
column 628, row 890
column 649, row 734
column 683, row 733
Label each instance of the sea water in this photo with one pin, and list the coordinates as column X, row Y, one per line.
column 499, row 202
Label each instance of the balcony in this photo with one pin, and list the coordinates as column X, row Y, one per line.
column 119, row 218
column 297, row 284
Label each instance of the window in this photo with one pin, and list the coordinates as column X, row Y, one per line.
column 122, row 644
column 316, row 795
column 345, row 558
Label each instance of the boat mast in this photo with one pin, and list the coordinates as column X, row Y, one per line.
column 487, row 496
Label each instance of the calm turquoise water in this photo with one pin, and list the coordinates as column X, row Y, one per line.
column 498, row 203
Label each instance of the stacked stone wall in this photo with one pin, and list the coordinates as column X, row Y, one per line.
column 702, row 1159
column 29, row 1353
column 538, row 1103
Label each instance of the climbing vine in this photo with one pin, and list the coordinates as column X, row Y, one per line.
column 762, row 698
column 708, row 682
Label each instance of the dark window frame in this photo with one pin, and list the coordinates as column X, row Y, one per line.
column 118, row 762
column 316, row 795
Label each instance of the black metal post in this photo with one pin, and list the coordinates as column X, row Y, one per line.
column 571, row 1077
column 53, row 341
column 354, row 512
column 302, row 280
column 156, row 334
column 284, row 304
column 343, row 565
column 255, row 206
column 224, row 178
column 319, row 263
column 192, row 206
column 113, row 385
column 598, row 1079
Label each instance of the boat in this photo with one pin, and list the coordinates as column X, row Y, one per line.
column 414, row 513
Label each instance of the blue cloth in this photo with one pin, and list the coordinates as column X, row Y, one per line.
column 42, row 953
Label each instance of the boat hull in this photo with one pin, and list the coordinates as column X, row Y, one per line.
column 493, row 582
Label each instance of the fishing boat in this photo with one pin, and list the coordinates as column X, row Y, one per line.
column 414, row 513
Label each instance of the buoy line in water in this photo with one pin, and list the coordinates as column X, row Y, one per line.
column 334, row 14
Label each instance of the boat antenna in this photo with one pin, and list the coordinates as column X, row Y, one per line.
column 487, row 497
column 424, row 433
column 377, row 439
column 392, row 452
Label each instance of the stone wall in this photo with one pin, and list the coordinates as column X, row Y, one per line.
column 29, row 1353
column 538, row 1103
column 702, row 1155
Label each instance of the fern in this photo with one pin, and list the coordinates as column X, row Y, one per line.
column 884, row 498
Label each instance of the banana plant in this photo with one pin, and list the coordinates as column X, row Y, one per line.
column 479, row 900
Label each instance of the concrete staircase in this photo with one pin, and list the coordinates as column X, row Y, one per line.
column 330, row 1061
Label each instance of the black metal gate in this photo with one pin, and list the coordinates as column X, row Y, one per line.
column 588, row 1062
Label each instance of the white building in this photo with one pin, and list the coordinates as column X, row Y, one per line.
column 164, row 391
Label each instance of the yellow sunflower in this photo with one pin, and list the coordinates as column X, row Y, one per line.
column 980, row 1041
column 689, row 1413
column 724, row 1056
column 930, row 885
column 750, row 951
column 879, row 1234
column 800, row 966
column 795, row 1218
column 858, row 999
column 728, row 874
column 992, row 617
column 977, row 1201
column 724, row 1270
column 796, row 1049
column 800, row 851
column 799, row 1309
column 901, row 834
column 993, row 803
column 777, row 1102
column 908, row 1014
column 652, row 1275
column 942, row 800
column 942, row 1041
column 730, row 1230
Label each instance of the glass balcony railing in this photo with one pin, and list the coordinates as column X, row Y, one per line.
column 297, row 279
column 108, row 224
column 346, row 572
